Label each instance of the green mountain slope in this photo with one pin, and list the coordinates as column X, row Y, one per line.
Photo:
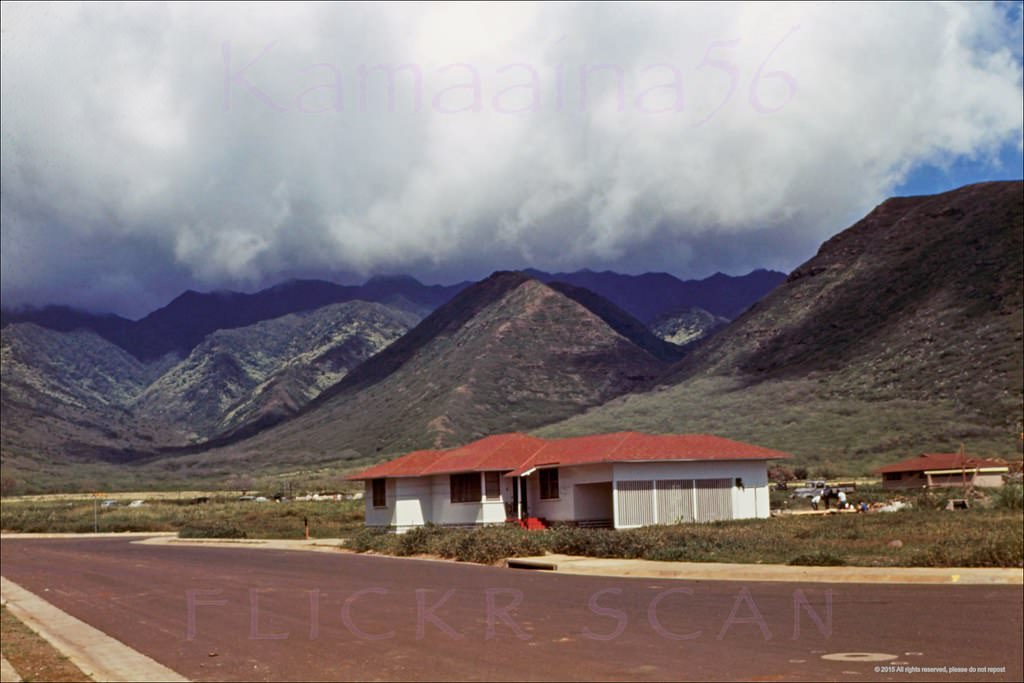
column 508, row 353
column 903, row 334
column 79, row 411
column 264, row 372
column 66, row 394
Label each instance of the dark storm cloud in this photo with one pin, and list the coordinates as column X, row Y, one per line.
column 150, row 149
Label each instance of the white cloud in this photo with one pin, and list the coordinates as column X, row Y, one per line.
column 117, row 140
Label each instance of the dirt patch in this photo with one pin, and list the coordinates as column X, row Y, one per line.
column 34, row 658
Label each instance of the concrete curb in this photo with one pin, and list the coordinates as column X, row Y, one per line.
column 15, row 535
column 320, row 545
column 709, row 571
column 99, row 656
column 7, row 672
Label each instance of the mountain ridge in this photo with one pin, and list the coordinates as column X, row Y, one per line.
column 902, row 334
column 720, row 294
column 76, row 395
column 181, row 324
column 509, row 352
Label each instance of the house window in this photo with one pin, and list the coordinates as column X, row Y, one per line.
column 465, row 487
column 492, row 485
column 549, row 484
column 380, row 493
column 893, row 476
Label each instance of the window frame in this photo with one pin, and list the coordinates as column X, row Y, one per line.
column 382, row 501
column 548, row 478
column 492, row 478
column 465, row 488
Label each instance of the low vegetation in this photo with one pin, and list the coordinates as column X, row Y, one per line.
column 32, row 657
column 833, row 428
column 987, row 535
column 1010, row 497
column 927, row 538
column 216, row 518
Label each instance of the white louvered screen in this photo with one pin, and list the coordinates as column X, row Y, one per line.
column 636, row 502
column 714, row 499
column 675, row 501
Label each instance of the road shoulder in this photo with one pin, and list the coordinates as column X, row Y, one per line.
column 98, row 655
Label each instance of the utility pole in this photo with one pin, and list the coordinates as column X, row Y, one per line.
column 963, row 468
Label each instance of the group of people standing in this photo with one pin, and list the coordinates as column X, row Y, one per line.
column 827, row 494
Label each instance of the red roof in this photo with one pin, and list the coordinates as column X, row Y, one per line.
column 520, row 453
column 938, row 461
column 499, row 452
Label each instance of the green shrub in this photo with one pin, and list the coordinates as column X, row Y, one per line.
column 489, row 544
column 568, row 540
column 934, row 556
column 211, row 531
column 820, row 558
column 1007, row 550
column 595, row 542
column 446, row 543
column 1009, row 497
column 419, row 540
column 1002, row 552
column 370, row 538
column 673, row 553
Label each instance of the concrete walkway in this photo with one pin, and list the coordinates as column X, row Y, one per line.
column 329, row 545
column 711, row 571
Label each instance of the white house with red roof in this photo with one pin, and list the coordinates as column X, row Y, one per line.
column 623, row 480
column 933, row 470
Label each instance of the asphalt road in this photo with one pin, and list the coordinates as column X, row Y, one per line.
column 250, row 614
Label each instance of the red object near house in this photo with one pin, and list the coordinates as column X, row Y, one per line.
column 530, row 523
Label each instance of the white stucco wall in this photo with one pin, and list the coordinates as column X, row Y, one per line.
column 593, row 501
column 415, row 501
column 447, row 512
column 563, row 509
column 989, row 479
column 408, row 504
column 412, row 503
column 379, row 516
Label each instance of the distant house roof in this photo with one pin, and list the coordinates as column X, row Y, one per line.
column 517, row 453
column 928, row 462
